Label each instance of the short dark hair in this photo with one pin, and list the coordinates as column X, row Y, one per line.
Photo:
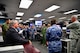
column 53, row 21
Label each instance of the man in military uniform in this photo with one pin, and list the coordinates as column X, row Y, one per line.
column 43, row 31
column 5, row 27
column 74, row 33
column 53, row 36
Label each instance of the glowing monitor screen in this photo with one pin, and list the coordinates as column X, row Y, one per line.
column 39, row 23
column 2, row 21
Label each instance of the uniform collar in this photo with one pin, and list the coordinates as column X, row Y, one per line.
column 76, row 21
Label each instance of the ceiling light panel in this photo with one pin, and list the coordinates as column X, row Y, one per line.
column 0, row 13
column 24, row 22
column 2, row 17
column 31, row 18
column 51, row 17
column 54, row 7
column 42, row 19
column 27, row 21
column 78, row 15
column 25, row 4
column 72, row 11
column 18, row 18
column 20, row 13
column 62, row 18
column 38, row 15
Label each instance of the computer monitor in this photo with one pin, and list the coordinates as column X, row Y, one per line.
column 38, row 23
column 64, row 28
column 2, row 21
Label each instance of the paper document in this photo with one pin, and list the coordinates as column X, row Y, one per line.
column 20, row 31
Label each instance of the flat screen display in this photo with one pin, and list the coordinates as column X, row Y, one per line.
column 38, row 23
column 2, row 21
column 64, row 28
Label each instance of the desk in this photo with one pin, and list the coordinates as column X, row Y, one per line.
column 12, row 49
column 65, row 45
column 1, row 39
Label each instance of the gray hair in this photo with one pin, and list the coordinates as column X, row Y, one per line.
column 12, row 22
column 74, row 16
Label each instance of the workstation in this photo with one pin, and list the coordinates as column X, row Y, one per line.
column 37, row 13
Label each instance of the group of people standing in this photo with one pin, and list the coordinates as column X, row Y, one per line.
column 12, row 36
column 51, row 35
column 54, row 34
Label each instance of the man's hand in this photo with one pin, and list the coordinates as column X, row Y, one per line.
column 30, row 42
column 47, row 43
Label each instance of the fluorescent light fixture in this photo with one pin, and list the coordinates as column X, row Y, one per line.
column 20, row 13
column 54, row 7
column 62, row 18
column 25, row 4
column 68, row 19
column 27, row 21
column 78, row 15
column 42, row 19
column 31, row 18
column 18, row 18
column 2, row 17
column 24, row 22
column 38, row 15
column 0, row 13
column 51, row 17
column 70, row 11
